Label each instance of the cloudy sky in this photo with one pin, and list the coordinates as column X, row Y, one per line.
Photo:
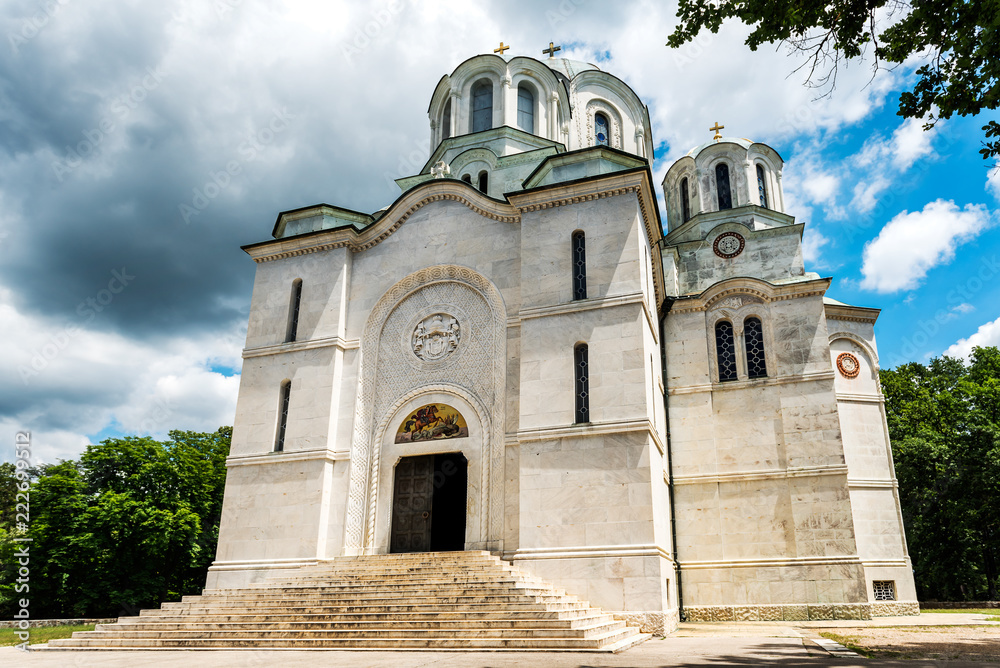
column 124, row 293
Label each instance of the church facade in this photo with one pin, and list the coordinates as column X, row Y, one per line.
column 513, row 357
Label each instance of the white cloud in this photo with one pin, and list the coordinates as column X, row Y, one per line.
column 993, row 183
column 963, row 308
column 986, row 335
column 812, row 242
column 911, row 244
column 66, row 382
column 910, row 142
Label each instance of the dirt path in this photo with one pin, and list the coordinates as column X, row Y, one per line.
column 967, row 643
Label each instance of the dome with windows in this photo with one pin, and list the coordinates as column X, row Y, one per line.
column 491, row 110
column 727, row 173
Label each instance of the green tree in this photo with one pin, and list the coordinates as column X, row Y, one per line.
column 958, row 42
column 133, row 523
column 944, row 422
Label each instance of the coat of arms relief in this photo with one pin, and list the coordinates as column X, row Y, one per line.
column 436, row 336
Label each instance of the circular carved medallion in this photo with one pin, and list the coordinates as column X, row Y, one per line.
column 436, row 336
column 848, row 365
column 729, row 244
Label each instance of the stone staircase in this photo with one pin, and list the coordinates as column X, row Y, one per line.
column 417, row 601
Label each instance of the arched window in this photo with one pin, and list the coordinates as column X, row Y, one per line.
column 579, row 265
column 482, row 106
column 293, row 311
column 685, row 202
column 467, row 178
column 753, row 342
column 525, row 109
column 484, row 182
column 725, row 350
column 580, row 367
column 761, row 186
column 279, row 438
column 446, row 120
column 601, row 130
column 722, row 186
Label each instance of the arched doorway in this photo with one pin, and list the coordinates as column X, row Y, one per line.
column 429, row 503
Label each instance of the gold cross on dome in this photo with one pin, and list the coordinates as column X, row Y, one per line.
column 552, row 50
column 501, row 49
column 716, row 129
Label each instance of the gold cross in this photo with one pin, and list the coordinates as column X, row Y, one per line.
column 552, row 50
column 501, row 49
column 716, row 129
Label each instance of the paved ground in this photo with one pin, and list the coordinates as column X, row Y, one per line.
column 752, row 644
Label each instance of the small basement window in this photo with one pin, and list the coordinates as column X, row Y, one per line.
column 885, row 590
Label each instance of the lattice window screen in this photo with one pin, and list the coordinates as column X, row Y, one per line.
column 885, row 590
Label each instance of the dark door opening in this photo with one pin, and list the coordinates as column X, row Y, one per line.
column 429, row 503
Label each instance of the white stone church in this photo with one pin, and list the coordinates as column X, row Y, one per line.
column 512, row 356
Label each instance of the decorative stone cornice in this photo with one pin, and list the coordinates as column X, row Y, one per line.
column 396, row 215
column 286, row 457
column 592, row 429
column 767, row 474
column 852, row 313
column 296, row 346
column 767, row 292
column 743, row 384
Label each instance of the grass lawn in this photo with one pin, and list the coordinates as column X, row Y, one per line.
column 41, row 635
column 993, row 612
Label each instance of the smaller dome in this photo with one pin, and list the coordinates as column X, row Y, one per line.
column 568, row 68
column 745, row 143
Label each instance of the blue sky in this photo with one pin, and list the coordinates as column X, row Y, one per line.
column 142, row 143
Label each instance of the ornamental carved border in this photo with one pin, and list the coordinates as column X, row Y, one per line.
column 595, row 106
column 848, row 365
column 363, row 485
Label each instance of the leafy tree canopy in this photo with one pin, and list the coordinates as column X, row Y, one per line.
column 133, row 523
column 944, row 422
column 958, row 42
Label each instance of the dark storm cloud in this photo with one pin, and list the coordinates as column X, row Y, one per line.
column 118, row 148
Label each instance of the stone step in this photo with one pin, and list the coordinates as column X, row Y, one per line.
column 490, row 615
column 382, row 599
column 355, row 593
column 383, row 608
column 381, row 623
column 384, row 631
column 444, row 601
column 611, row 640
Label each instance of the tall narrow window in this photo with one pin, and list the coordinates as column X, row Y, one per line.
column 446, row 120
column 725, row 350
column 525, row 109
column 761, row 186
column 484, row 182
column 579, row 265
column 293, row 311
column 722, row 186
column 753, row 340
column 467, row 178
column 580, row 365
column 685, row 202
column 482, row 106
column 601, row 130
column 279, row 438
